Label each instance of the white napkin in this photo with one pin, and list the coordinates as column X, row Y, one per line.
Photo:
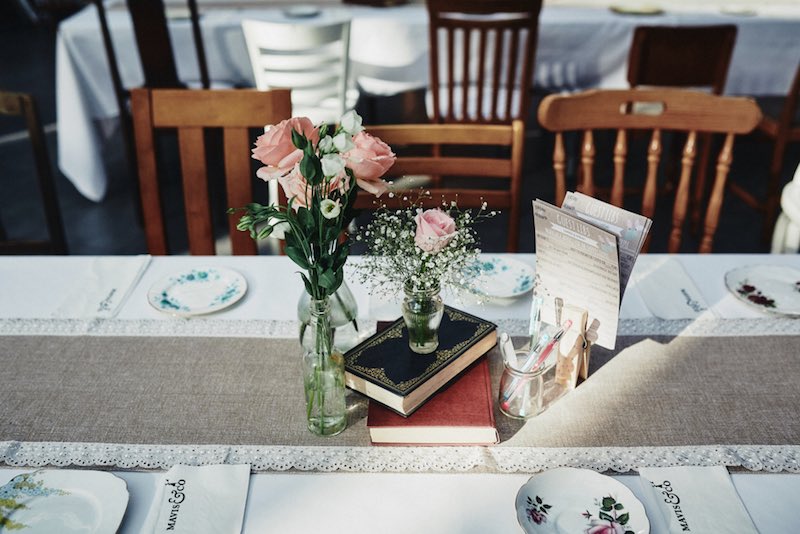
column 207, row 499
column 102, row 288
column 669, row 292
column 701, row 500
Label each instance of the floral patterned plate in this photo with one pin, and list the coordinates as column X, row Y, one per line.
column 770, row 288
column 499, row 277
column 566, row 500
column 197, row 291
column 63, row 501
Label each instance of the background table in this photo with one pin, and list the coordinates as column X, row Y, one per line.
column 34, row 289
column 579, row 47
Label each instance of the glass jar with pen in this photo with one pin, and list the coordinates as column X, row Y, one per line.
column 527, row 385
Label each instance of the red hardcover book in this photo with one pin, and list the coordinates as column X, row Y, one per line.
column 459, row 414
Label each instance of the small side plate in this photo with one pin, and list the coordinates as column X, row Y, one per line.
column 63, row 501
column 769, row 288
column 566, row 500
column 197, row 291
column 499, row 277
column 301, row 11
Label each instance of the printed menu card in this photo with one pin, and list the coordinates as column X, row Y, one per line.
column 630, row 228
column 577, row 262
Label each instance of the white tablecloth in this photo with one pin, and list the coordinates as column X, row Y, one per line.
column 33, row 287
column 579, row 47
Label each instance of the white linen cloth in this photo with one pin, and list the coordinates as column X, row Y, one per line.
column 694, row 499
column 206, row 499
column 100, row 290
column 669, row 292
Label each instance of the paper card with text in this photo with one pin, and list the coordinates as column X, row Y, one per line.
column 630, row 228
column 577, row 262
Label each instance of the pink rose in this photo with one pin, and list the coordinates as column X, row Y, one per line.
column 600, row 526
column 276, row 150
column 369, row 160
column 435, row 229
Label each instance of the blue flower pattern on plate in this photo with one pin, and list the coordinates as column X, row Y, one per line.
column 167, row 301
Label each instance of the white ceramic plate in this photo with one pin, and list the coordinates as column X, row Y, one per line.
column 500, row 277
column 770, row 288
column 63, row 501
column 197, row 291
column 566, row 500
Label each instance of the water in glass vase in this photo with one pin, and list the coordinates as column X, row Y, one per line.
column 323, row 375
column 422, row 313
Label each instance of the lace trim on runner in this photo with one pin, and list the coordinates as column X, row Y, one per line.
column 773, row 458
column 772, row 326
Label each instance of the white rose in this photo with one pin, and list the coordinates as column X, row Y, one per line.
column 279, row 228
column 326, row 144
column 330, row 209
column 351, row 122
column 332, row 165
column 343, row 142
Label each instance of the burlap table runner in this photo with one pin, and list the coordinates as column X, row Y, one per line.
column 244, row 391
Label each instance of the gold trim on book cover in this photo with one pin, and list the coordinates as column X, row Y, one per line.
column 442, row 356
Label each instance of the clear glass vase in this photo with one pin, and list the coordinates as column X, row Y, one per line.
column 344, row 318
column 323, row 374
column 422, row 313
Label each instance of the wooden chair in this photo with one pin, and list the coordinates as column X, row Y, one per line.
column 190, row 112
column 23, row 105
column 155, row 54
column 312, row 60
column 504, row 173
column 688, row 57
column 782, row 130
column 472, row 78
column 686, row 111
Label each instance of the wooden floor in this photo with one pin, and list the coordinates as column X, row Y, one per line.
column 27, row 63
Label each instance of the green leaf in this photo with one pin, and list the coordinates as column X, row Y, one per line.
column 297, row 256
column 608, row 502
column 309, row 170
column 605, row 516
column 618, row 506
column 307, row 283
column 323, row 131
column 538, row 499
column 306, row 220
column 546, row 506
column 623, row 519
column 299, row 140
column 327, row 279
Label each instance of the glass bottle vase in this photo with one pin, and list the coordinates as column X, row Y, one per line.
column 344, row 318
column 323, row 374
column 422, row 312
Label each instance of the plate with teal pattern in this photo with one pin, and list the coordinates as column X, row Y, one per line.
column 64, row 501
column 197, row 291
column 499, row 277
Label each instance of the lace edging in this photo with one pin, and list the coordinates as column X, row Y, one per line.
column 773, row 458
column 205, row 327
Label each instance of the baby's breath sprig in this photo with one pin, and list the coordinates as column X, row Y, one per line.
column 396, row 253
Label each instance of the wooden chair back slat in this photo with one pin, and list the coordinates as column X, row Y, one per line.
column 510, row 28
column 23, row 105
column 620, row 155
column 505, row 170
column 191, row 112
column 654, row 150
column 690, row 112
column 238, row 186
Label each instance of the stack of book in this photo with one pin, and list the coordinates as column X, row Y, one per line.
column 458, row 407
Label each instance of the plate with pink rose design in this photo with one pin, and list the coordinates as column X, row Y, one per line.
column 567, row 500
column 769, row 288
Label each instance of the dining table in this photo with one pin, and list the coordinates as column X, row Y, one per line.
column 582, row 44
column 95, row 376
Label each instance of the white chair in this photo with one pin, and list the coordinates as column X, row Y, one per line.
column 786, row 236
column 310, row 59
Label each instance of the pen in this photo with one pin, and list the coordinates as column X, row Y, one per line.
column 534, row 361
column 531, row 358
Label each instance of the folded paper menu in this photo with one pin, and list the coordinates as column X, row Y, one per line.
column 207, row 499
column 577, row 262
column 103, row 287
column 693, row 499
